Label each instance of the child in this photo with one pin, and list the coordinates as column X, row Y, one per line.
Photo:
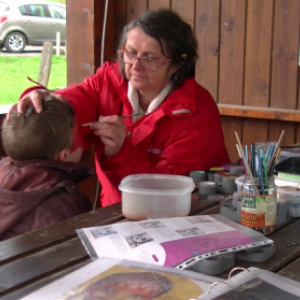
column 37, row 182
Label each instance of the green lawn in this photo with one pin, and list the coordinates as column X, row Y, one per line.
column 14, row 72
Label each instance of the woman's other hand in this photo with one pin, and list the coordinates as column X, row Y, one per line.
column 35, row 98
column 112, row 133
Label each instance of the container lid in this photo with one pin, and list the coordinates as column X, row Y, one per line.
column 216, row 169
column 237, row 170
column 156, row 184
column 290, row 151
column 198, row 175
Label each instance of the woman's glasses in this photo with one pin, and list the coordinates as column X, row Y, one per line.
column 147, row 63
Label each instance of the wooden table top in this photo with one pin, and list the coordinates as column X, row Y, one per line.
column 34, row 259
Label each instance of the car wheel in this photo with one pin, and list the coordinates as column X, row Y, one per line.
column 15, row 42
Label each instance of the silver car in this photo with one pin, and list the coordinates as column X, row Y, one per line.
column 30, row 22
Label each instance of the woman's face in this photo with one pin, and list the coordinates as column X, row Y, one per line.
column 147, row 82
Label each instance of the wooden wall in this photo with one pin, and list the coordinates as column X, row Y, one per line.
column 248, row 53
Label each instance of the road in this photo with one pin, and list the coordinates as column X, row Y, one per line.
column 29, row 51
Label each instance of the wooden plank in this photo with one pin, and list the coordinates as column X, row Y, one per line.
column 231, row 70
column 156, row 4
column 280, row 114
column 186, row 9
column 258, row 52
column 211, row 211
column 57, row 258
column 229, row 126
column 46, row 263
column 135, row 8
column 207, row 31
column 232, row 51
column 49, row 236
column 289, row 137
column 23, row 291
column 119, row 10
column 285, row 54
column 35, row 241
column 45, row 64
column 292, row 270
column 80, row 27
column 254, row 131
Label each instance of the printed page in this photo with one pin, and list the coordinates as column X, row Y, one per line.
column 167, row 242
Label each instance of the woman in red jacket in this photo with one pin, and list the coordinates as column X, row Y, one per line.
column 178, row 127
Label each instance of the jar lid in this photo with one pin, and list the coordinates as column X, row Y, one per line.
column 216, row 169
column 237, row 170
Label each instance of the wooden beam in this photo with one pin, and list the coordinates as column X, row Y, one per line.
column 266, row 113
column 45, row 64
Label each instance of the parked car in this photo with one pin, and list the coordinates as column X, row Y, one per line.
column 30, row 22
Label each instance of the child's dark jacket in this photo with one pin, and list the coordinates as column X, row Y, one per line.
column 38, row 193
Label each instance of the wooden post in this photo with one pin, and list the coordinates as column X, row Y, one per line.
column 45, row 64
column 58, row 43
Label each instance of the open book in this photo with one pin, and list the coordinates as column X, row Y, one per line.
column 172, row 242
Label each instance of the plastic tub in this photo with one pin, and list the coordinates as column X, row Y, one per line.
column 239, row 181
column 292, row 197
column 144, row 195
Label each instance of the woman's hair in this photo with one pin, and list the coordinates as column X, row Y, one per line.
column 42, row 135
column 174, row 36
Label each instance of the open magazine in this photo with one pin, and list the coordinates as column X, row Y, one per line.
column 254, row 284
column 111, row 279
column 172, row 242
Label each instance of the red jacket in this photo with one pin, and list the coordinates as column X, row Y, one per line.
column 182, row 135
column 38, row 193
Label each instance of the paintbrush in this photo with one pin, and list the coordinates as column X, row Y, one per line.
column 123, row 117
column 246, row 163
column 271, row 164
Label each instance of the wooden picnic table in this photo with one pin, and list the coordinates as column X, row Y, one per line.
column 34, row 259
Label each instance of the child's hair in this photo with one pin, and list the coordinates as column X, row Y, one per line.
column 39, row 135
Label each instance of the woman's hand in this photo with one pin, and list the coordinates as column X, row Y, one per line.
column 112, row 133
column 35, row 98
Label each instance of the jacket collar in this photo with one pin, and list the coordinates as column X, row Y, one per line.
column 77, row 172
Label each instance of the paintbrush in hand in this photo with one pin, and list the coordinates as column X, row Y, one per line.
column 123, row 117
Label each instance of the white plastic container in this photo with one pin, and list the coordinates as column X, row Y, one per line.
column 239, row 181
column 144, row 195
column 292, row 198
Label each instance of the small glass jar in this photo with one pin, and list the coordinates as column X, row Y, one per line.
column 259, row 204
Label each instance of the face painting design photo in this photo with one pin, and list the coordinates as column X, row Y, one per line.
column 122, row 283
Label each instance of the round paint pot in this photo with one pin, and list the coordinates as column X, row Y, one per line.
column 198, row 176
column 207, row 188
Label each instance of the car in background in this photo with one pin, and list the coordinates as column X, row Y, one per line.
column 30, row 22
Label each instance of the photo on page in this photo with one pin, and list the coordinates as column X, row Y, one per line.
column 125, row 283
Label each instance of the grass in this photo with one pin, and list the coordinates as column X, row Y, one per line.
column 14, row 72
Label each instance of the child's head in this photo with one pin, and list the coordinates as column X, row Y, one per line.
column 45, row 135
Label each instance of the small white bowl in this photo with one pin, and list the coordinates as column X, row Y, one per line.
column 144, row 195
